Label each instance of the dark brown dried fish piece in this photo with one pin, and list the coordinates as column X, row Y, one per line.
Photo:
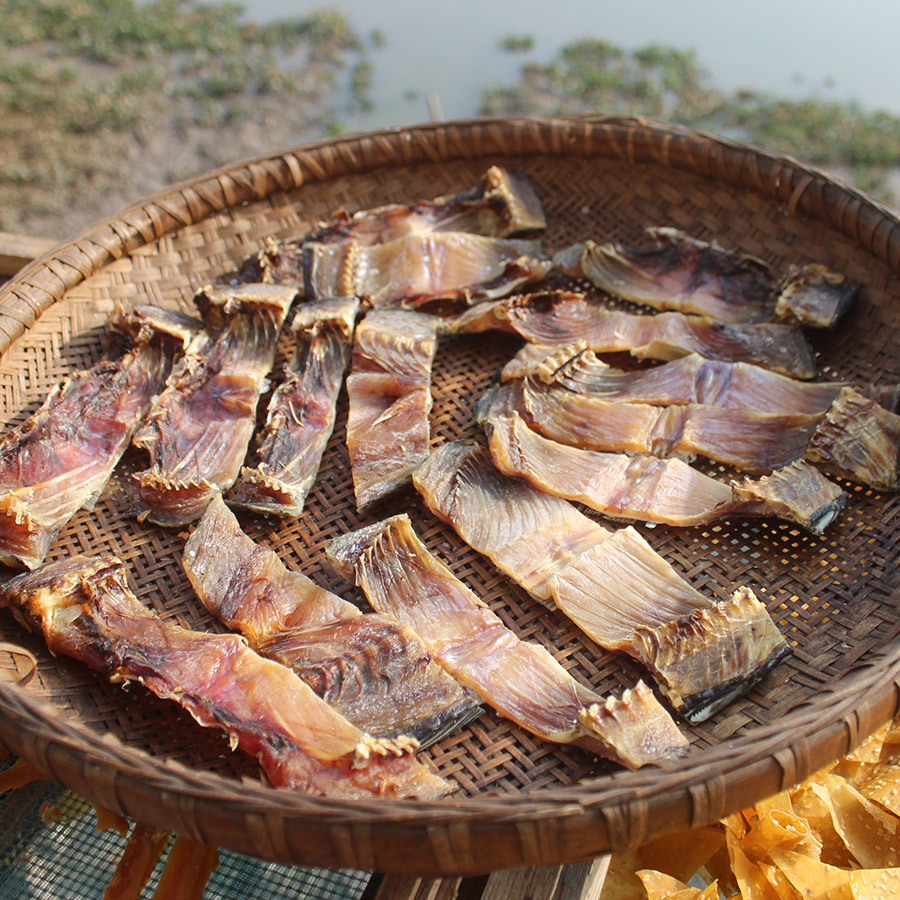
column 649, row 489
column 859, row 440
column 680, row 273
column 199, row 428
column 86, row 610
column 521, row 680
column 373, row 671
column 563, row 317
column 813, row 295
column 301, row 412
column 688, row 380
column 503, row 204
column 422, row 269
column 60, row 459
column 389, row 388
column 610, row 583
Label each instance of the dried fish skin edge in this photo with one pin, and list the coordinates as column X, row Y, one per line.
column 740, row 644
column 402, row 578
column 813, row 295
column 86, row 610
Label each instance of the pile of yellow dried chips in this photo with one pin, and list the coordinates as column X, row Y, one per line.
column 836, row 836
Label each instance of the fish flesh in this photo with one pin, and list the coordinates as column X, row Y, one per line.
column 648, row 489
column 301, row 413
column 860, row 440
column 503, row 204
column 199, row 428
column 86, row 610
column 520, row 679
column 688, row 380
column 611, row 584
column 59, row 460
column 688, row 275
column 679, row 273
column 563, row 317
column 421, row 269
column 374, row 672
column 389, row 389
column 752, row 441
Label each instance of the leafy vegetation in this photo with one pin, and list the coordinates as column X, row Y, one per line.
column 105, row 100
column 592, row 76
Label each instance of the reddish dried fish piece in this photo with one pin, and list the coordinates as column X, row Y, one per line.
column 689, row 380
column 680, row 273
column 692, row 276
column 389, row 388
column 373, row 671
column 86, row 610
column 60, row 459
column 503, row 204
column 301, row 411
column 610, row 583
column 199, row 428
column 521, row 680
column 422, row 269
column 749, row 440
column 563, row 317
column 649, row 489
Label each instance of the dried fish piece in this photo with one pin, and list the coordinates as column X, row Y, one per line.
column 389, row 388
column 562, row 317
column 680, row 273
column 423, row 268
column 86, row 610
column 373, row 671
column 610, row 583
column 60, row 459
column 521, row 680
column 503, row 204
column 692, row 276
column 688, row 380
column 813, row 295
column 301, row 411
column 199, row 428
column 859, row 440
column 749, row 440
column 649, row 489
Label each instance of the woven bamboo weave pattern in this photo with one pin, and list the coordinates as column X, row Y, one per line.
column 518, row 800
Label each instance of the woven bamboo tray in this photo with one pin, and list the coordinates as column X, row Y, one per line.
column 518, row 801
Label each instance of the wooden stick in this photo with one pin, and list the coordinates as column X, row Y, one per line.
column 17, row 250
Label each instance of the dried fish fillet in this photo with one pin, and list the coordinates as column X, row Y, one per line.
column 421, row 269
column 563, row 317
column 521, row 680
column 60, row 459
column 86, row 610
column 649, row 489
column 859, row 440
column 679, row 273
column 693, row 276
column 503, row 204
column 199, row 428
column 373, row 671
column 689, row 380
column 389, row 388
column 610, row 583
column 301, row 411
column 749, row 440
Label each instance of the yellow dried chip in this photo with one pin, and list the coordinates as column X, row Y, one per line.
column 875, row 884
column 871, row 834
column 621, row 881
column 775, row 828
column 812, row 879
column 682, row 854
column 752, row 882
column 660, row 886
column 778, row 880
column 883, row 787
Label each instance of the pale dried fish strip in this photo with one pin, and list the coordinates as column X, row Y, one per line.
column 521, row 680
